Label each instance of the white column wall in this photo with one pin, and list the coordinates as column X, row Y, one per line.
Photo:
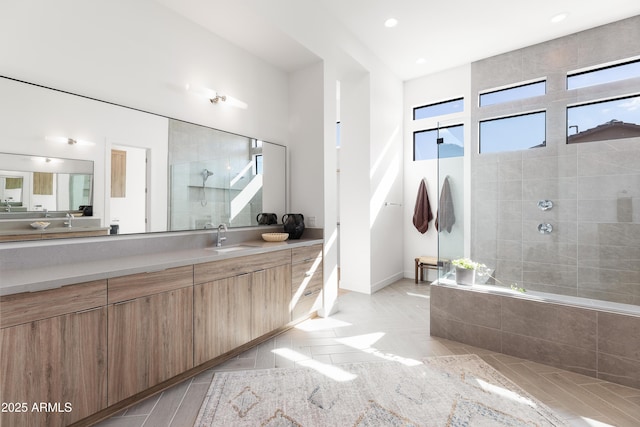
column 306, row 148
column 385, row 176
column 355, row 183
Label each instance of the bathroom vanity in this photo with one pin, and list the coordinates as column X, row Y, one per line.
column 93, row 338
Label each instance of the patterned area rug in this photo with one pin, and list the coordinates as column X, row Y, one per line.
column 442, row 391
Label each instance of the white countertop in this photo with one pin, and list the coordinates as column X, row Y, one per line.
column 54, row 276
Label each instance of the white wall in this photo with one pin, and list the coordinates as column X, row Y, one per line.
column 450, row 84
column 140, row 54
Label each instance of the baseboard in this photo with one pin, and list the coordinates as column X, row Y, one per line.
column 375, row 287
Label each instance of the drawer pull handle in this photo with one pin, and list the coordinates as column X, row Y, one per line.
column 308, row 274
column 306, row 294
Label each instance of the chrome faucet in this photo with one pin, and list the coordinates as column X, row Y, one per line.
column 69, row 219
column 221, row 227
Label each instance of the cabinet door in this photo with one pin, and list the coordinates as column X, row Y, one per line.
column 59, row 362
column 270, row 299
column 150, row 341
column 222, row 316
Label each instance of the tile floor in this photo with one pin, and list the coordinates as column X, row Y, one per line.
column 392, row 324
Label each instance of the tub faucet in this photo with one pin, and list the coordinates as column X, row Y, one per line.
column 222, row 227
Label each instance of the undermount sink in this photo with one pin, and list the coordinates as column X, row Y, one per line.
column 225, row 249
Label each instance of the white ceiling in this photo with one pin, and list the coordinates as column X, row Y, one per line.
column 445, row 33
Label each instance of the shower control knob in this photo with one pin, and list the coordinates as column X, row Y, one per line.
column 545, row 205
column 545, row 228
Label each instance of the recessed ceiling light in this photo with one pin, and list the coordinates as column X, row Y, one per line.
column 391, row 22
column 421, row 61
column 559, row 17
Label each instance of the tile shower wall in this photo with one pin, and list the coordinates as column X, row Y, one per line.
column 594, row 249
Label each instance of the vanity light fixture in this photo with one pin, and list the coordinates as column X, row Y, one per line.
column 46, row 160
column 70, row 141
column 215, row 97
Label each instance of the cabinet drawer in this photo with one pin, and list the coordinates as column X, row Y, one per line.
column 306, row 253
column 305, row 279
column 143, row 284
column 306, row 304
column 210, row 271
column 30, row 306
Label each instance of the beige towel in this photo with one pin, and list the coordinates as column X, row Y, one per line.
column 446, row 217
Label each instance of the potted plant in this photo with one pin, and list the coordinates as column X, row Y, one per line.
column 466, row 270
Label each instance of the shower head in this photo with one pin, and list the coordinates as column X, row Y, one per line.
column 206, row 173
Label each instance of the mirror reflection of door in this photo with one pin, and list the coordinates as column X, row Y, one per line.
column 128, row 201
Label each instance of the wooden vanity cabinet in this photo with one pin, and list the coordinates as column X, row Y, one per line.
column 150, row 330
column 306, row 280
column 53, row 348
column 238, row 300
column 270, row 298
column 222, row 316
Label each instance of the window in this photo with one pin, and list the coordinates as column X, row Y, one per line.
column 439, row 109
column 425, row 146
column 604, row 120
column 603, row 75
column 512, row 94
column 513, row 133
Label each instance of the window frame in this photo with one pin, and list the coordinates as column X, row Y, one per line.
column 461, row 98
column 509, row 88
column 600, row 68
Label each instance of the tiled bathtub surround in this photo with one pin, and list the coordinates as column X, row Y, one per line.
column 594, row 249
column 587, row 341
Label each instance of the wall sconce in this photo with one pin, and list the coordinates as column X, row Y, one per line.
column 70, row 141
column 217, row 98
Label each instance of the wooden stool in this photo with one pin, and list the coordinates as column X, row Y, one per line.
column 429, row 262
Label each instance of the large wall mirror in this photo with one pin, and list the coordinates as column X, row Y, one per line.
column 140, row 172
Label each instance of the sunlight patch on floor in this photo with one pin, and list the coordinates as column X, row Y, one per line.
column 330, row 371
column 503, row 392
column 411, row 294
column 365, row 343
column 361, row 342
column 595, row 423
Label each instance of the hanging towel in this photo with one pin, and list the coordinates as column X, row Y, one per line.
column 445, row 217
column 422, row 212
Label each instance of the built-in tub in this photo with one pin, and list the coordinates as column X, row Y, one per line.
column 595, row 338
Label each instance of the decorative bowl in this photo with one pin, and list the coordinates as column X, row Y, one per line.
column 40, row 225
column 275, row 237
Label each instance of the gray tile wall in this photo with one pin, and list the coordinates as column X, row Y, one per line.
column 587, row 341
column 594, row 250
